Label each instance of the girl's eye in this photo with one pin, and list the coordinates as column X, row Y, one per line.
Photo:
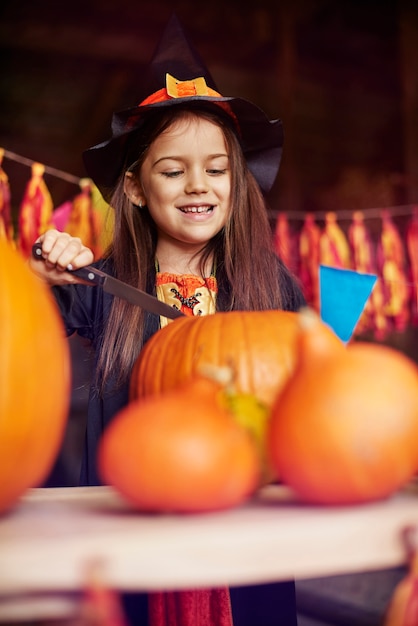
column 172, row 174
column 217, row 172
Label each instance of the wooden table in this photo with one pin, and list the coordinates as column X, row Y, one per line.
column 48, row 540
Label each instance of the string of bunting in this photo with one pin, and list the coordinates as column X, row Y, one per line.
column 85, row 215
column 299, row 238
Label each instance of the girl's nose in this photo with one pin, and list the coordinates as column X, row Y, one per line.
column 196, row 182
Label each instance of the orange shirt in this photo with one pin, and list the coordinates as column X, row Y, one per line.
column 191, row 294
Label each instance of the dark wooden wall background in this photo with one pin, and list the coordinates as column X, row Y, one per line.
column 341, row 75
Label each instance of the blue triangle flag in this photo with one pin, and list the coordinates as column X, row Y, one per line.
column 343, row 295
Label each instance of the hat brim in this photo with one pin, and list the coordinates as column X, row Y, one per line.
column 261, row 140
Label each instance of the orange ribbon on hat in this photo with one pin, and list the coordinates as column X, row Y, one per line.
column 180, row 89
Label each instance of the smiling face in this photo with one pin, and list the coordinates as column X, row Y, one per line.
column 185, row 182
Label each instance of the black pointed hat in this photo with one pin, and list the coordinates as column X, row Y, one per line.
column 177, row 75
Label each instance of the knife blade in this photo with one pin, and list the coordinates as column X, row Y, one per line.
column 118, row 288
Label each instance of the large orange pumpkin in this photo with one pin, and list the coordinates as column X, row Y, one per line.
column 344, row 429
column 180, row 451
column 34, row 378
column 259, row 346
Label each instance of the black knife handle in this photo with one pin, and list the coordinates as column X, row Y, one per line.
column 37, row 251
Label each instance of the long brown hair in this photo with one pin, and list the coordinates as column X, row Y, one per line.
column 247, row 270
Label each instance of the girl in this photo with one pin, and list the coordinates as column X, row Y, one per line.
column 185, row 173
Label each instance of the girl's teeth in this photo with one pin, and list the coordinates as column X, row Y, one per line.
column 197, row 209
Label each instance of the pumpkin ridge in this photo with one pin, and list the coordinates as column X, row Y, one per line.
column 249, row 356
column 191, row 350
column 260, row 345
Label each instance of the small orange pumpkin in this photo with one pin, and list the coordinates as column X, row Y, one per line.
column 344, row 429
column 259, row 347
column 34, row 375
column 180, row 451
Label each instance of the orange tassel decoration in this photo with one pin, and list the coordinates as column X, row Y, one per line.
column 82, row 221
column 104, row 218
column 363, row 256
column 403, row 605
column 392, row 270
column 35, row 211
column 412, row 248
column 333, row 245
column 309, row 260
column 6, row 225
column 284, row 242
column 360, row 244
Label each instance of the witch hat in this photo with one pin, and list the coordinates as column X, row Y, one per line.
column 175, row 55
column 177, row 75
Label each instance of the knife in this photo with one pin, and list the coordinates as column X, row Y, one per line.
column 118, row 288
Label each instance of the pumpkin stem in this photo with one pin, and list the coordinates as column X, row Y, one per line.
column 308, row 318
column 315, row 338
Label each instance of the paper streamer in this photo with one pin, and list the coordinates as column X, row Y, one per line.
column 343, row 296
